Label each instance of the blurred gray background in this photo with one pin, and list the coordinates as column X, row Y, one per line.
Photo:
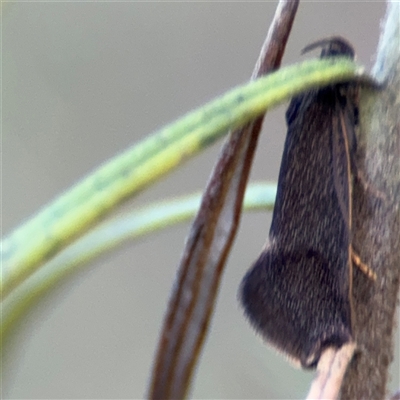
column 81, row 82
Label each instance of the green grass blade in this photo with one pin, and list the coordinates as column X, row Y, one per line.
column 91, row 199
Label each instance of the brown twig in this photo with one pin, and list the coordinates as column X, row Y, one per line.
column 211, row 236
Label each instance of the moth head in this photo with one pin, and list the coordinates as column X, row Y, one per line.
column 332, row 46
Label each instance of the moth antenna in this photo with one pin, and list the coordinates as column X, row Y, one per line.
column 332, row 46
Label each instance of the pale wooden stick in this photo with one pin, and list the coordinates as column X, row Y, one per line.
column 330, row 372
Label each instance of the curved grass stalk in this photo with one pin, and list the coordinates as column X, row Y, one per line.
column 90, row 200
column 109, row 236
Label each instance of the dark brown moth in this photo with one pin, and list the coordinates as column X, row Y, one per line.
column 297, row 295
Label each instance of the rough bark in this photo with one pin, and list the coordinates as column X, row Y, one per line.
column 376, row 221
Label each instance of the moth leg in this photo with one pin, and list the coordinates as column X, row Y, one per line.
column 371, row 83
column 363, row 267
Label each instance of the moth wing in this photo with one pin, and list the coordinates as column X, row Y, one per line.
column 279, row 293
